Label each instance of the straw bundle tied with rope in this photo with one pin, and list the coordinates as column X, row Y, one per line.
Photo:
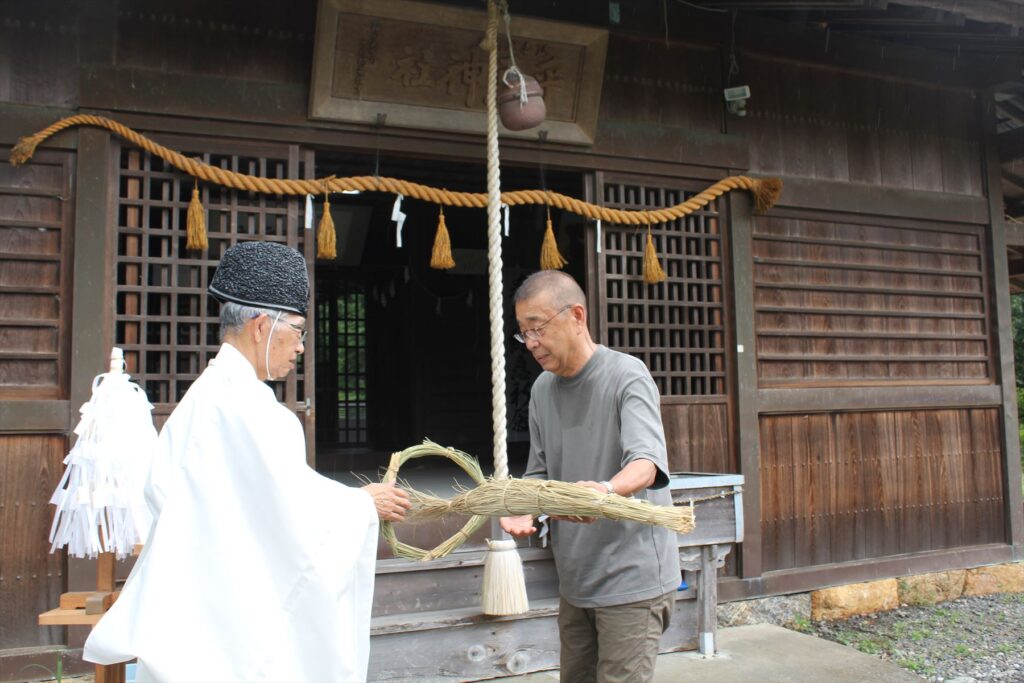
column 506, row 497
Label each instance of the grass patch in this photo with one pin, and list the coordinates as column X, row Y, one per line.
column 918, row 634
column 917, row 665
column 867, row 643
column 1011, row 598
column 800, row 625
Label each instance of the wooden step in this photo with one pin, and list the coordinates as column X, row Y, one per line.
column 453, row 582
column 444, row 646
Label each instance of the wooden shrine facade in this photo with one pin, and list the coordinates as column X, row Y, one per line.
column 849, row 352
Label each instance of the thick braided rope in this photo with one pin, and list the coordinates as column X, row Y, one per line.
column 495, row 287
column 23, row 151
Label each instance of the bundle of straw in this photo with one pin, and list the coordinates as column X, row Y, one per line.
column 558, row 498
column 505, row 497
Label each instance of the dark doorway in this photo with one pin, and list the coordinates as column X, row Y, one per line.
column 403, row 350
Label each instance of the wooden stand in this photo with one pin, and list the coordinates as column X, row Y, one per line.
column 86, row 608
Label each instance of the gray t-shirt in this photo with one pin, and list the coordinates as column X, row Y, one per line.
column 588, row 427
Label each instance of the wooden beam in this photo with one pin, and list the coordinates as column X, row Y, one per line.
column 404, row 142
column 855, row 198
column 822, row 576
column 814, row 400
column 134, row 94
column 23, row 119
column 35, row 416
column 988, row 11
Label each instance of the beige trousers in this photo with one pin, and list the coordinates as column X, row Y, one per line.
column 612, row 644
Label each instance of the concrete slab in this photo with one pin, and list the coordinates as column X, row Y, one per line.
column 767, row 654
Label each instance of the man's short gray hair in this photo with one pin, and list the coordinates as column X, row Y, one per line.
column 233, row 317
column 560, row 287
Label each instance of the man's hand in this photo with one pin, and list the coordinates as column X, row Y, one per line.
column 521, row 525
column 391, row 502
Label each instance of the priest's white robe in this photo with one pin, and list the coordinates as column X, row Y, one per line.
column 256, row 568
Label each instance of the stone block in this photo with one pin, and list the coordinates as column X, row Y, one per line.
column 999, row 578
column 780, row 610
column 929, row 589
column 842, row 602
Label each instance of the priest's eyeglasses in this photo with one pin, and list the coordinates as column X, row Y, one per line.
column 535, row 333
column 298, row 328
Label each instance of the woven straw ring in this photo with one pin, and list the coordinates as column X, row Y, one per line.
column 468, row 464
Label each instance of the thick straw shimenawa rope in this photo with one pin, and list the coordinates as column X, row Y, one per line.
column 766, row 191
column 492, row 497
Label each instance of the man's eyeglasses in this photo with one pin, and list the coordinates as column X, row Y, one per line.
column 536, row 333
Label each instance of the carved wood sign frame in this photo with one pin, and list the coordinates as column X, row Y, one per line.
column 422, row 65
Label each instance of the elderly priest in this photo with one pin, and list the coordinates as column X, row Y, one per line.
column 257, row 568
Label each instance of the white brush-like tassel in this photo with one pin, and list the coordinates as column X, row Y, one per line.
column 99, row 501
column 504, row 589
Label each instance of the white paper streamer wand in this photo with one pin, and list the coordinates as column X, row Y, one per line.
column 399, row 218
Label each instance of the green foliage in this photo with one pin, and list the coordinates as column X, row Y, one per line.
column 1017, row 317
column 350, row 331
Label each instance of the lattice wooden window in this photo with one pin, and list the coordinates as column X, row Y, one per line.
column 676, row 327
column 164, row 318
column 341, row 337
column 857, row 303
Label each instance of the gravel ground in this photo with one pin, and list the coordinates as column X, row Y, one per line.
column 970, row 640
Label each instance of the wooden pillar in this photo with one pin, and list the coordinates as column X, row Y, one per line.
column 1000, row 296
column 91, row 316
column 745, row 389
column 707, row 594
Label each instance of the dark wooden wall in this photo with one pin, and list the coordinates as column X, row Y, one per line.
column 839, row 487
column 813, row 121
column 841, row 302
column 31, row 579
column 36, row 245
column 872, row 281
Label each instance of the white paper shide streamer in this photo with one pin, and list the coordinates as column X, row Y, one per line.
column 100, row 505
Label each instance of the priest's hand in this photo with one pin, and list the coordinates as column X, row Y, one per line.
column 521, row 525
column 391, row 502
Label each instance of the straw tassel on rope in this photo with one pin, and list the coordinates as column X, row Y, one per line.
column 766, row 192
column 195, row 232
column 653, row 272
column 326, row 239
column 441, row 255
column 550, row 258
